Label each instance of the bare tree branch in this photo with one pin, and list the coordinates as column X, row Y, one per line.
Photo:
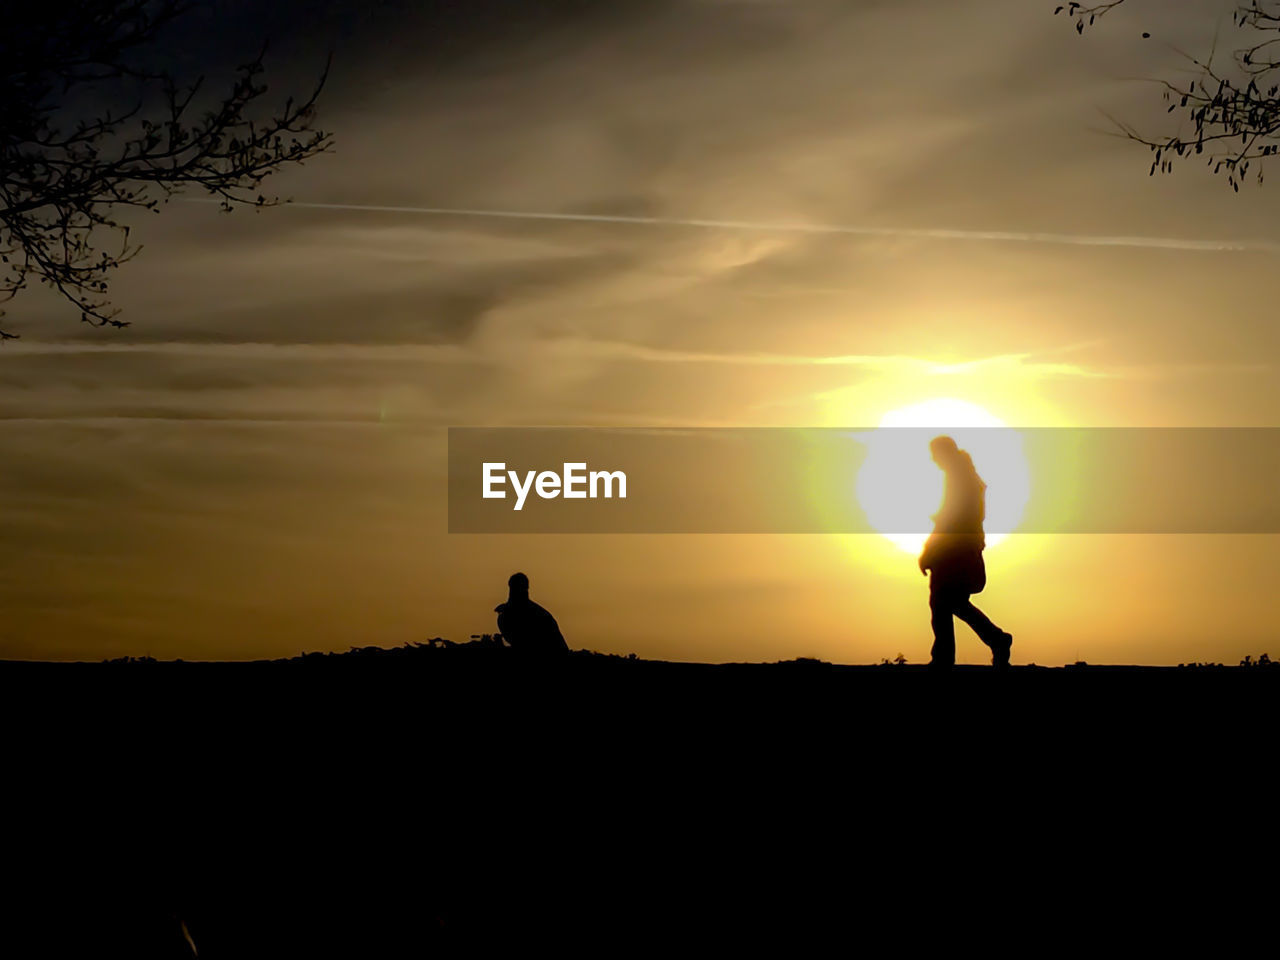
column 69, row 165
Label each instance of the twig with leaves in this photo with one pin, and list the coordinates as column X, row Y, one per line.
column 66, row 177
column 1233, row 112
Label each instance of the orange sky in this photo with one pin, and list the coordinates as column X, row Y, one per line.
column 256, row 466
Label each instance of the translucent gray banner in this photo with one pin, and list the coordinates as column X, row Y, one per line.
column 784, row 480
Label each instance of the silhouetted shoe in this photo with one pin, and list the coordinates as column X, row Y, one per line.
column 940, row 666
column 1000, row 652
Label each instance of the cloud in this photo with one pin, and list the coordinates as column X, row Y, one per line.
column 397, row 352
column 908, row 233
column 1023, row 363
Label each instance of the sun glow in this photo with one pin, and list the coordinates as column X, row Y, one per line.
column 899, row 487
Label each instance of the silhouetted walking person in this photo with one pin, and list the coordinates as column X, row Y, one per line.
column 953, row 556
column 529, row 628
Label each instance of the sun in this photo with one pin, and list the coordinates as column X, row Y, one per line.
column 899, row 487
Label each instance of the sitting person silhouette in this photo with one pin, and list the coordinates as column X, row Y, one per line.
column 953, row 556
column 529, row 628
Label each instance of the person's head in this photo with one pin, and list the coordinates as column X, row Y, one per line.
column 944, row 451
column 518, row 584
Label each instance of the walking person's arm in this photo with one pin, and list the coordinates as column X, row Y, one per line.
column 926, row 555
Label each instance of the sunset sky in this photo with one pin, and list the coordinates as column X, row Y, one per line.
column 256, row 466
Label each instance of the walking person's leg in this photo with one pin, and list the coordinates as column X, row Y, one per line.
column 941, row 606
column 998, row 640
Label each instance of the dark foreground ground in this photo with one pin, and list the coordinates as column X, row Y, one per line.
column 446, row 800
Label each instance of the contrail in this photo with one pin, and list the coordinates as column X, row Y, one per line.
column 922, row 233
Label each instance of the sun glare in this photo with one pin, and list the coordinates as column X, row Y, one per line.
column 899, row 487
